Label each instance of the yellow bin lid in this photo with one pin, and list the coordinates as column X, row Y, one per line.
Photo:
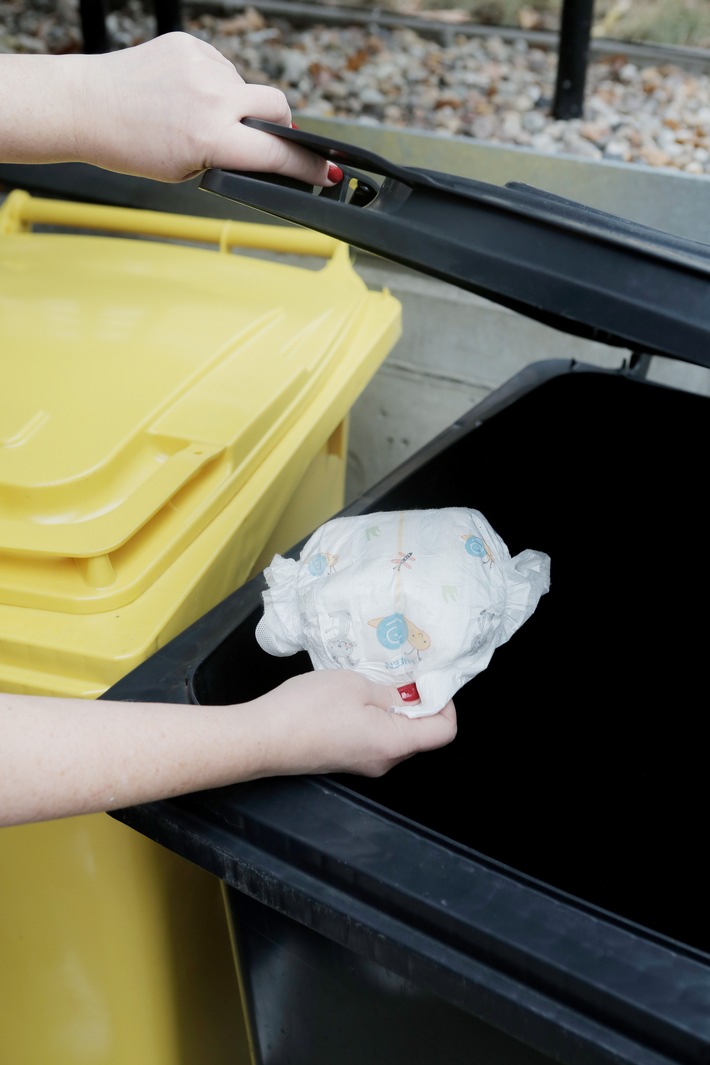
column 144, row 384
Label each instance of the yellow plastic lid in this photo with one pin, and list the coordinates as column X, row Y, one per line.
column 144, row 383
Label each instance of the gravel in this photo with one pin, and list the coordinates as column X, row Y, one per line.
column 461, row 85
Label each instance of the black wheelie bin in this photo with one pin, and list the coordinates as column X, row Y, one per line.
column 537, row 890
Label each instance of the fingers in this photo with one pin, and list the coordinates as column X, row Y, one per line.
column 441, row 728
column 264, row 101
column 260, row 151
column 423, row 733
column 272, row 154
column 435, row 730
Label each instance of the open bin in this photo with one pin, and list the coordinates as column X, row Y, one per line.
column 171, row 412
column 536, row 891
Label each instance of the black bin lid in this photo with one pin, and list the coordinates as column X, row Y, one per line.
column 572, row 267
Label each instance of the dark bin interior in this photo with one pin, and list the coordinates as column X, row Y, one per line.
column 579, row 760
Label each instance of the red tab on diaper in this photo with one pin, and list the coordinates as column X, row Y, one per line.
column 409, row 693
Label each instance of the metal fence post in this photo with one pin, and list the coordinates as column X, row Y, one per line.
column 168, row 15
column 572, row 58
column 92, row 14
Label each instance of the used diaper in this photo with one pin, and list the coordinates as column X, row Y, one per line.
column 418, row 599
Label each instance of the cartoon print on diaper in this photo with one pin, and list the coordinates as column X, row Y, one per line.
column 477, row 547
column 322, row 562
column 403, row 560
column 395, row 632
column 340, row 644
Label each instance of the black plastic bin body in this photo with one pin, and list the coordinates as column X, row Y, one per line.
column 537, row 890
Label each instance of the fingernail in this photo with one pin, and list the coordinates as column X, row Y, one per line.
column 409, row 693
column 335, row 174
column 294, row 126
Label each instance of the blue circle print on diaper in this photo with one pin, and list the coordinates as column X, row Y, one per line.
column 475, row 546
column 393, row 631
column 318, row 565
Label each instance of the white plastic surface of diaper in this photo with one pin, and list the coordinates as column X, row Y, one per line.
column 418, row 599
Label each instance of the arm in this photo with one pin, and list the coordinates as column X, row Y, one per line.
column 167, row 109
column 61, row 756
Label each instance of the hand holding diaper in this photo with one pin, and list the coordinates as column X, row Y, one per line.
column 418, row 599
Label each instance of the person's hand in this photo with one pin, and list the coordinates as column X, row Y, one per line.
column 340, row 721
column 63, row 756
column 172, row 107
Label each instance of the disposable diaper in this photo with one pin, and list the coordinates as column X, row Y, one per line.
column 418, row 599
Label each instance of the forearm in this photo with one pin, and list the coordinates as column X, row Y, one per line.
column 39, row 95
column 62, row 757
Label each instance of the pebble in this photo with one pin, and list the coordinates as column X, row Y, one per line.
column 479, row 87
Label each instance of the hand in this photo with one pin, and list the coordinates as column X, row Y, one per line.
column 340, row 721
column 167, row 109
column 172, row 107
column 63, row 756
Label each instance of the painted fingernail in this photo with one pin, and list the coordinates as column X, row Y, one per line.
column 294, row 126
column 409, row 693
column 335, row 174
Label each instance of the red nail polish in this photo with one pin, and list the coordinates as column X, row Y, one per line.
column 335, row 174
column 294, row 126
column 409, row 693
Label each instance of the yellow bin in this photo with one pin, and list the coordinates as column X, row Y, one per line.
column 172, row 414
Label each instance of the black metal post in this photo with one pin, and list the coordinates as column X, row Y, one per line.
column 92, row 14
column 572, row 58
column 168, row 15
